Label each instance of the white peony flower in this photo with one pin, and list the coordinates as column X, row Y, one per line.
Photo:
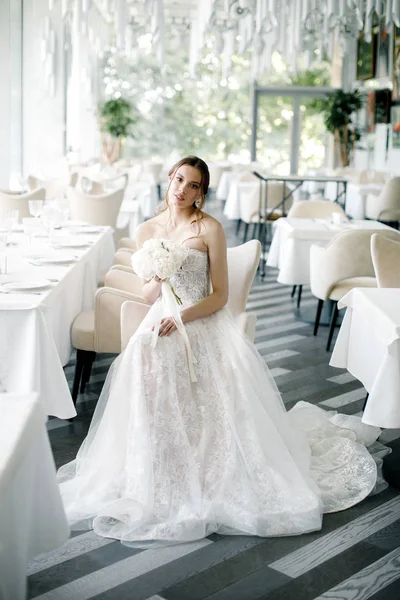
column 142, row 264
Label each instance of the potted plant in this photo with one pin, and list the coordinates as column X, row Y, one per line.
column 338, row 108
column 116, row 118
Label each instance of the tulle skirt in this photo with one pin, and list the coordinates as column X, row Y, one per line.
column 169, row 460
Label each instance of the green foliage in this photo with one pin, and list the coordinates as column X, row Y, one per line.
column 116, row 117
column 339, row 108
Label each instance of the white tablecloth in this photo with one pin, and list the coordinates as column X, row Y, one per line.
column 356, row 198
column 35, row 339
column 236, row 188
column 293, row 238
column 225, row 182
column 368, row 346
column 32, row 518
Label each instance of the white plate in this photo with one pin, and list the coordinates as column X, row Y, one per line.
column 89, row 230
column 26, row 285
column 76, row 244
column 74, row 224
column 55, row 260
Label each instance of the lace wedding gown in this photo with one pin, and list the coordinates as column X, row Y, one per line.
column 168, row 460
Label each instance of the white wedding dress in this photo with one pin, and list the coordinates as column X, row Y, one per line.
column 168, row 460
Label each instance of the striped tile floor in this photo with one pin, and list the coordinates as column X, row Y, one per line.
column 356, row 555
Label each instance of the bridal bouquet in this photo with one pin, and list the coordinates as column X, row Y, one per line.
column 161, row 258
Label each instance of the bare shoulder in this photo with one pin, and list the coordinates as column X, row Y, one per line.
column 212, row 227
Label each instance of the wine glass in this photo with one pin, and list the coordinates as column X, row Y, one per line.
column 30, row 225
column 11, row 220
column 50, row 216
column 35, row 207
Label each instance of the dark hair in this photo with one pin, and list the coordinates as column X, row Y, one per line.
column 201, row 166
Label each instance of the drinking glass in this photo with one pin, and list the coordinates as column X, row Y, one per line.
column 30, row 225
column 35, row 207
column 12, row 217
column 51, row 216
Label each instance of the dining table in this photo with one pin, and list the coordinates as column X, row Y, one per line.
column 368, row 346
column 293, row 237
column 47, row 283
column 32, row 517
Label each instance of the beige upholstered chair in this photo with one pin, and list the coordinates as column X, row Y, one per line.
column 386, row 206
column 91, row 186
column 386, row 260
column 123, row 256
column 345, row 263
column 97, row 209
column 98, row 330
column 242, row 266
column 20, row 201
column 317, row 209
column 55, row 188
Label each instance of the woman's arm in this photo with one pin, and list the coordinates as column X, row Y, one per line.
column 151, row 290
column 216, row 243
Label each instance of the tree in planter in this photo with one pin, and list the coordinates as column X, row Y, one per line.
column 115, row 122
column 338, row 108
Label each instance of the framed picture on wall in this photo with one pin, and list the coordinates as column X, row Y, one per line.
column 382, row 61
column 366, row 57
column 396, row 125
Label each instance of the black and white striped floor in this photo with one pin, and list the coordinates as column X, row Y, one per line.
column 356, row 556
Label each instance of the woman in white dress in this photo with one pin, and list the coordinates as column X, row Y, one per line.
column 170, row 460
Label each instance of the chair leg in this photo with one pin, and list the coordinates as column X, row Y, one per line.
column 365, row 401
column 299, row 296
column 246, row 229
column 80, row 362
column 293, row 291
column 87, row 369
column 318, row 316
column 335, row 312
column 238, row 224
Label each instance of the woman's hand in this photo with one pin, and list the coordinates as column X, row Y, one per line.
column 167, row 326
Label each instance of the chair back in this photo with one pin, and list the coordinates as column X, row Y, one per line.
column 91, row 186
column 319, row 209
column 123, row 256
column 386, row 260
column 386, row 206
column 242, row 266
column 97, row 209
column 20, row 202
column 215, row 171
column 123, row 278
column 347, row 255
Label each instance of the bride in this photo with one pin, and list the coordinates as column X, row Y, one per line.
column 171, row 460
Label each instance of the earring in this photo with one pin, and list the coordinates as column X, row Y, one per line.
column 197, row 203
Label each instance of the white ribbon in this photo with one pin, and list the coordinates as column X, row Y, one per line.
column 171, row 308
